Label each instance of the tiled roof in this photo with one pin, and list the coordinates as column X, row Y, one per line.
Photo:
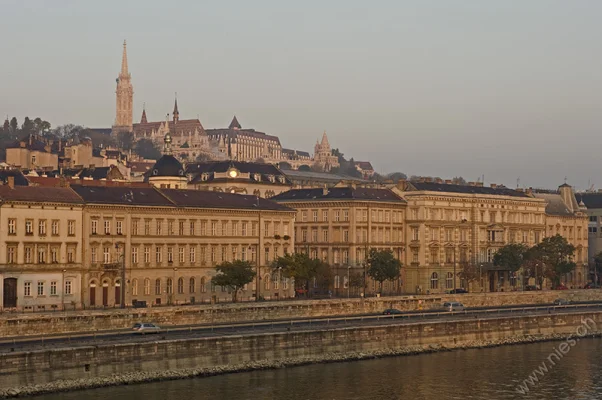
column 291, row 153
column 39, row 194
column 127, row 195
column 322, row 176
column 234, row 133
column 209, row 199
column 450, row 188
column 20, row 179
column 92, row 173
column 141, row 167
column 211, row 167
column 346, row 193
column 591, row 200
column 183, row 126
column 365, row 165
column 35, row 145
column 554, row 204
column 234, row 124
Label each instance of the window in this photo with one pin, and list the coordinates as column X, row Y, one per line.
column 449, row 281
column 54, row 227
column 181, row 254
column 434, row 256
column 71, row 227
column 244, row 229
column 158, row 286
column 434, row 281
column 12, row 226
column 192, row 285
column 325, row 235
column 169, row 286
column 134, row 255
column 53, row 288
column 159, row 227
column 337, row 282
column 27, row 289
column 267, row 255
column 234, row 228
column 94, row 226
column 303, row 216
column 285, row 229
column 147, row 286
column 147, row 254
column 325, row 215
column 415, row 256
column 345, row 236
column 70, row 254
column 120, row 227
column 180, row 285
column 213, row 228
column 345, row 256
column 192, row 255
column 315, row 215
column 40, row 288
column 181, row 228
column 11, row 254
column 28, row 254
column 42, row 227
column 414, row 233
column 54, row 255
column 134, row 287
column 304, row 235
column 337, row 215
column 107, row 227
column 224, row 253
column 158, row 255
column 169, row 254
column 203, row 286
column 29, row 226
column 170, row 230
column 41, row 255
column 345, row 215
column 449, row 234
column 213, row 255
column 192, row 228
column 106, row 254
column 253, row 229
column 134, row 227
column 243, row 255
column 314, row 235
column 93, row 257
column 147, row 227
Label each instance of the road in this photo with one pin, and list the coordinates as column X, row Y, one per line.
column 245, row 328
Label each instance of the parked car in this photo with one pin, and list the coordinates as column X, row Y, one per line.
column 530, row 288
column 453, row 306
column 391, row 311
column 144, row 328
column 561, row 287
column 561, row 302
column 592, row 285
column 458, row 291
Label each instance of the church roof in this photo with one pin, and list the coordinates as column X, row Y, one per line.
column 234, row 124
column 175, row 129
column 235, row 133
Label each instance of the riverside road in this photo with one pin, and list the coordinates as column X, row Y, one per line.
column 33, row 343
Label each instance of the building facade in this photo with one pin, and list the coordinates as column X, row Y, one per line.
column 33, row 152
column 341, row 225
column 323, row 157
column 124, row 98
column 41, row 248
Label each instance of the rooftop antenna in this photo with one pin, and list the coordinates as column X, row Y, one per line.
column 518, row 182
column 565, row 179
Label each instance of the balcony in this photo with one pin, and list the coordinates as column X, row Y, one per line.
column 111, row 266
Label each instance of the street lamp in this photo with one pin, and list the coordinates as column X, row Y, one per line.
column 63, row 291
column 280, row 279
column 348, row 280
column 122, row 273
column 173, row 284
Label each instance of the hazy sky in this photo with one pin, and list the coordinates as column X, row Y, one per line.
column 506, row 88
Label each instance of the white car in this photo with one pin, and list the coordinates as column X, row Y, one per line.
column 143, row 328
column 453, row 306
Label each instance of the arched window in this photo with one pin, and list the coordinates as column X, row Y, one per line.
column 266, row 282
column 203, row 286
column 285, row 283
column 147, row 286
column 191, row 285
column 169, row 286
column 449, row 281
column 158, row 286
column 180, row 285
column 434, row 281
column 134, row 287
column 337, row 282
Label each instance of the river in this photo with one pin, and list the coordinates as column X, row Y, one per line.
column 488, row 374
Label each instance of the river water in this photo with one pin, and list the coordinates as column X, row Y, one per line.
column 488, row 374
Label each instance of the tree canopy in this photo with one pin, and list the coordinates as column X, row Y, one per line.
column 234, row 275
column 555, row 255
column 147, row 149
column 302, row 268
column 383, row 266
column 511, row 256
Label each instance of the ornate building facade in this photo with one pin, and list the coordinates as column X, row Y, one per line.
column 124, row 97
column 323, row 156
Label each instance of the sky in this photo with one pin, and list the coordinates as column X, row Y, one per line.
column 508, row 89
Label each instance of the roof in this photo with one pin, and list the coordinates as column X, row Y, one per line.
column 346, row 193
column 234, row 133
column 127, row 195
column 90, row 173
column 211, row 167
column 20, row 179
column 324, row 176
column 183, row 126
column 39, row 194
column 234, row 124
column 104, row 131
column 167, row 165
column 140, row 166
column 554, row 204
column 209, row 199
column 292, row 153
column 591, row 200
column 451, row 188
column 34, row 144
column 365, row 165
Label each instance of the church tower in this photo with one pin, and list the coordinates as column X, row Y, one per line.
column 125, row 98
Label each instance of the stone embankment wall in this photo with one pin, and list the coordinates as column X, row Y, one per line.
column 12, row 325
column 173, row 359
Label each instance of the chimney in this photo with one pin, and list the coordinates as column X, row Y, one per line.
column 402, row 184
column 324, row 191
column 11, row 182
column 493, row 185
column 448, row 181
column 529, row 192
column 479, row 184
column 438, row 180
column 471, row 184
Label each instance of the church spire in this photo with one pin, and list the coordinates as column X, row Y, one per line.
column 176, row 113
column 234, row 124
column 167, row 139
column 124, row 60
column 143, row 120
column 325, row 140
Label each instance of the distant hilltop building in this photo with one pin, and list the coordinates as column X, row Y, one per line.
column 191, row 142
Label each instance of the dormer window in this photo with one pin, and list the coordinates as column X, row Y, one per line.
column 271, row 178
column 204, row 176
column 232, row 173
column 281, row 179
column 257, row 177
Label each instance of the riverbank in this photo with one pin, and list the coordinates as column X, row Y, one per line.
column 18, row 325
column 132, row 378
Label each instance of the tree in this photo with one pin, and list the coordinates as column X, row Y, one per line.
column 234, row 275
column 67, row 131
column 284, row 165
column 511, row 256
column 147, row 149
column 458, row 180
column 469, row 273
column 383, row 266
column 555, row 256
column 125, row 140
column 203, row 157
column 304, row 168
column 14, row 125
column 597, row 266
column 303, row 269
column 356, row 280
column 396, row 176
column 28, row 127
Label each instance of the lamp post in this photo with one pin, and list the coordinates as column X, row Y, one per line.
column 173, row 285
column 280, row 279
column 63, row 291
column 481, row 277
